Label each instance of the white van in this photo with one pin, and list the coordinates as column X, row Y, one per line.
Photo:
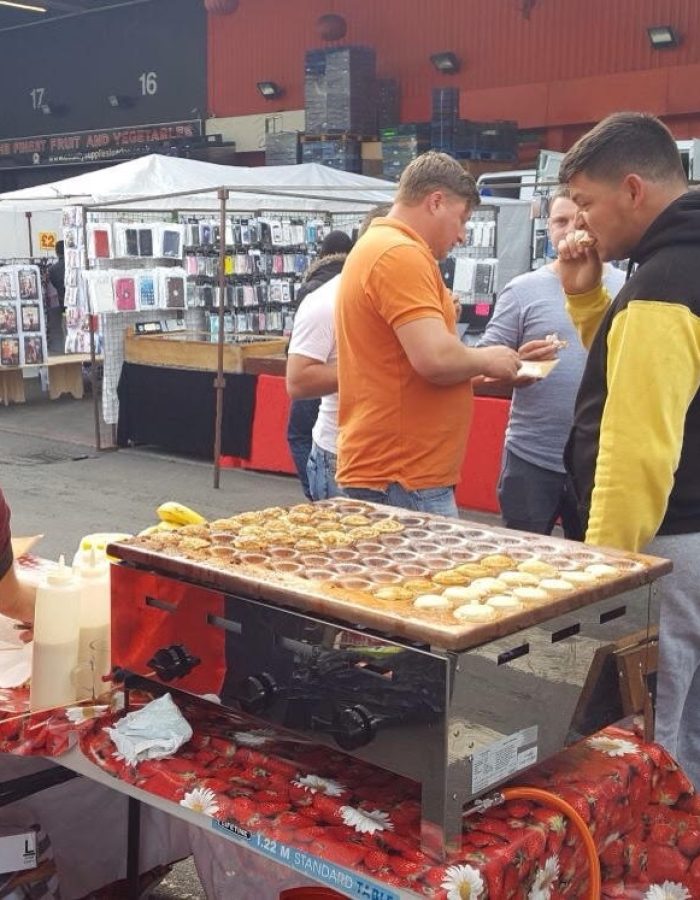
column 518, row 184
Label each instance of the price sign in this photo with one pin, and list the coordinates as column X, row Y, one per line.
column 47, row 240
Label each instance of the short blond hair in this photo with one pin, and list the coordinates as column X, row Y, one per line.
column 433, row 171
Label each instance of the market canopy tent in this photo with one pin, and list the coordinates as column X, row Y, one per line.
column 171, row 184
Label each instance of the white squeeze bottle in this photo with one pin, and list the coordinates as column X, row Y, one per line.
column 95, row 618
column 55, row 650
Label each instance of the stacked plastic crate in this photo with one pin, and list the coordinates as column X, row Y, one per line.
column 282, row 148
column 341, row 105
column 401, row 144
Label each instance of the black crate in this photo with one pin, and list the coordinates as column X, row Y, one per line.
column 417, row 130
column 340, row 91
column 388, row 103
column 282, row 148
column 344, row 154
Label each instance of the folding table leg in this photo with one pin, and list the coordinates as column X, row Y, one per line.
column 132, row 848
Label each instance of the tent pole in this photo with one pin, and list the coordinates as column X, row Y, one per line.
column 28, row 216
column 91, row 323
column 219, row 382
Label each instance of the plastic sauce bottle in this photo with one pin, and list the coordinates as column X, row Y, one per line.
column 55, row 650
column 94, row 659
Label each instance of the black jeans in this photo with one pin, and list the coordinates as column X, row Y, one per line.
column 533, row 498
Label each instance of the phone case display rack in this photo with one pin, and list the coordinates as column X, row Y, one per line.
column 264, row 264
column 471, row 270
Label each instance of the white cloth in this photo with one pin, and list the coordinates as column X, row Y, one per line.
column 86, row 823
column 313, row 336
column 152, row 732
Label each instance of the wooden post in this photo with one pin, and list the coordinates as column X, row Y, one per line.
column 219, row 382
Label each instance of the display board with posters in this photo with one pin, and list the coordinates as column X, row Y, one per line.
column 22, row 323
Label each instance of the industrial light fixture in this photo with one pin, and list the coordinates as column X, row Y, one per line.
column 446, row 62
column 663, row 37
column 30, row 7
column 270, row 89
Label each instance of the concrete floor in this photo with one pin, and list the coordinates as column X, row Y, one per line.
column 58, row 485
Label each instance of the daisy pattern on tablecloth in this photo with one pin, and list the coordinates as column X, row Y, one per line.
column 545, row 880
column 463, row 883
column 252, row 738
column 78, row 714
column 201, row 800
column 315, row 784
column 669, row 890
column 612, row 746
column 366, row 821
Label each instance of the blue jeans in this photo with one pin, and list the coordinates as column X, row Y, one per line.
column 320, row 471
column 533, row 498
column 302, row 418
column 439, row 500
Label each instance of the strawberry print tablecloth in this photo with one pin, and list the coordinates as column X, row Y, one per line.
column 48, row 732
column 338, row 820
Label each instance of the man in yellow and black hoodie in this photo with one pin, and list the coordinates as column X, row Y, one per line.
column 634, row 450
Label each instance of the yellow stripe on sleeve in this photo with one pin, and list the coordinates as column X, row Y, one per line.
column 587, row 310
column 653, row 374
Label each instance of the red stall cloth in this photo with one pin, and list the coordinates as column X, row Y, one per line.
column 482, row 461
column 269, row 451
column 338, row 820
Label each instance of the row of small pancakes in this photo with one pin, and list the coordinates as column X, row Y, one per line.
column 477, row 591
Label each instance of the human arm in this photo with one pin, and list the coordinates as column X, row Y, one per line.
column 16, row 596
column 581, row 275
column 307, row 377
column 441, row 358
column 653, row 372
column 311, row 364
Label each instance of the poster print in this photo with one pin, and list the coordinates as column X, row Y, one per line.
column 31, row 319
column 9, row 351
column 28, row 284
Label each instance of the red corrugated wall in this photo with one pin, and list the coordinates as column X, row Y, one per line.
column 545, row 70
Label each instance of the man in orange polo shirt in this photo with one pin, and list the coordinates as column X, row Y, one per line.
column 404, row 376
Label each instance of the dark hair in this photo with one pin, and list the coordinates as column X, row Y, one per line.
column 335, row 242
column 433, row 171
column 623, row 143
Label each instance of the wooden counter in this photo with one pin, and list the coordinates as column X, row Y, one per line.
column 187, row 350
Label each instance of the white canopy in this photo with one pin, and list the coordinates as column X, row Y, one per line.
column 168, row 183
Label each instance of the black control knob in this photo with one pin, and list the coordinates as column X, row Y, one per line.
column 256, row 692
column 172, row 662
column 354, row 727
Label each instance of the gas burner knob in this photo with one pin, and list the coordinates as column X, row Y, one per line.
column 256, row 692
column 354, row 727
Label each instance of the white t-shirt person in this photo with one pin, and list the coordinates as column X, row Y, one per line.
column 313, row 336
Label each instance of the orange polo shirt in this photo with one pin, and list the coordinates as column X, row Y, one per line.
column 394, row 425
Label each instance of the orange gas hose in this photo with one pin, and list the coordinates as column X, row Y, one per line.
column 548, row 799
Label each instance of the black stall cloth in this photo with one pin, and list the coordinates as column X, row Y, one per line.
column 175, row 409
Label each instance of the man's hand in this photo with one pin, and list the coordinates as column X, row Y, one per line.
column 17, row 597
column 498, row 362
column 538, row 350
column 580, row 266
